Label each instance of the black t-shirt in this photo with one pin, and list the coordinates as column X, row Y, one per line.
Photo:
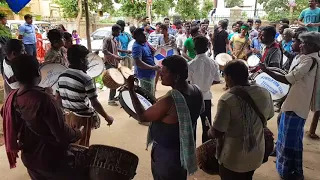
column 220, row 41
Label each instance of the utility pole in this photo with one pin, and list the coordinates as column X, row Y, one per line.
column 215, row 4
column 86, row 8
column 255, row 9
column 149, row 8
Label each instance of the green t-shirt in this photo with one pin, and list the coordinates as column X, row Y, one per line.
column 310, row 16
column 190, row 47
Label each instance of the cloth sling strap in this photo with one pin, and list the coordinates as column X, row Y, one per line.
column 268, row 135
column 242, row 47
column 246, row 97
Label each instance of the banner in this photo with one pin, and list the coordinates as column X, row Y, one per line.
column 17, row 5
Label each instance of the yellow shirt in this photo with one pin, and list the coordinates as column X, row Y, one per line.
column 237, row 45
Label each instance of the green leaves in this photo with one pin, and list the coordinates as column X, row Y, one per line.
column 70, row 7
column 233, row 3
column 162, row 7
column 137, row 9
column 188, row 9
column 278, row 9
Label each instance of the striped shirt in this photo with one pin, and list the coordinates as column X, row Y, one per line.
column 76, row 88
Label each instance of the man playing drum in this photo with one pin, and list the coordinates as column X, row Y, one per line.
column 302, row 95
column 204, row 72
column 272, row 54
column 76, row 91
column 123, row 40
column 173, row 119
column 111, row 57
column 239, row 45
column 33, row 118
column 55, row 53
column 145, row 69
column 241, row 143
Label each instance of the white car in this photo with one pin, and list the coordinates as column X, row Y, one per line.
column 98, row 36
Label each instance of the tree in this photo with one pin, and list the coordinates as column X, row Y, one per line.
column 233, row 3
column 162, row 7
column 70, row 8
column 278, row 9
column 135, row 9
column 188, row 9
column 206, row 8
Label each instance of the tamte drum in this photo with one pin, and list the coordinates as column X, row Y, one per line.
column 112, row 163
column 112, row 78
column 206, row 157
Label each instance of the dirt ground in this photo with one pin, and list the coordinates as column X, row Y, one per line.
column 127, row 134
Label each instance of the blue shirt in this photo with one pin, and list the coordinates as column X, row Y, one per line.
column 123, row 39
column 255, row 43
column 287, row 46
column 172, row 31
column 28, row 32
column 310, row 16
column 144, row 53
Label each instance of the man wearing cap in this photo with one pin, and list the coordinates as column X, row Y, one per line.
column 123, row 41
column 27, row 34
column 296, row 107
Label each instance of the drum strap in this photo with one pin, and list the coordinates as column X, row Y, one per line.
column 247, row 98
column 242, row 47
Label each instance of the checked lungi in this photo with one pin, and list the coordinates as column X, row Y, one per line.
column 289, row 145
column 148, row 85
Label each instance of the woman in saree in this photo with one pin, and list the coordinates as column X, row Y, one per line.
column 173, row 118
column 40, row 49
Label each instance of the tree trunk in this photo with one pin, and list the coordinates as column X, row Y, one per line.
column 79, row 16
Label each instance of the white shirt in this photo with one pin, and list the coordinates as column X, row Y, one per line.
column 8, row 72
column 295, row 62
column 302, row 81
column 181, row 38
column 202, row 72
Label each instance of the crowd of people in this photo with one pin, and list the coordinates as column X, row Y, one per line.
column 43, row 125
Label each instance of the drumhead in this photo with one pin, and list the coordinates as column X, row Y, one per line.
column 130, row 45
column 223, row 58
column 163, row 52
column 277, row 89
column 253, row 61
column 95, row 66
column 50, row 73
column 284, row 59
column 116, row 75
column 145, row 98
column 126, row 72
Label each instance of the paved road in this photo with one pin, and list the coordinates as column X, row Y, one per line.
column 126, row 133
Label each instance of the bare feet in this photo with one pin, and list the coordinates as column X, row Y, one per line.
column 312, row 136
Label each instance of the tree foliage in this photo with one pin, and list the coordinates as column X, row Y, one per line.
column 162, row 7
column 206, row 8
column 70, row 7
column 278, row 9
column 188, row 9
column 135, row 9
column 233, row 3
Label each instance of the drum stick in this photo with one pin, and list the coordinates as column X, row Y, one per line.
column 208, row 123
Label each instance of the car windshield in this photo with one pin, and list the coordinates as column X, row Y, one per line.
column 100, row 34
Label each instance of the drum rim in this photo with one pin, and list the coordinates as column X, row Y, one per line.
column 100, row 59
column 48, row 63
column 278, row 70
column 253, row 55
column 221, row 54
column 138, row 90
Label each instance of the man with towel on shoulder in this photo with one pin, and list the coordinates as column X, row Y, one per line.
column 304, row 81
